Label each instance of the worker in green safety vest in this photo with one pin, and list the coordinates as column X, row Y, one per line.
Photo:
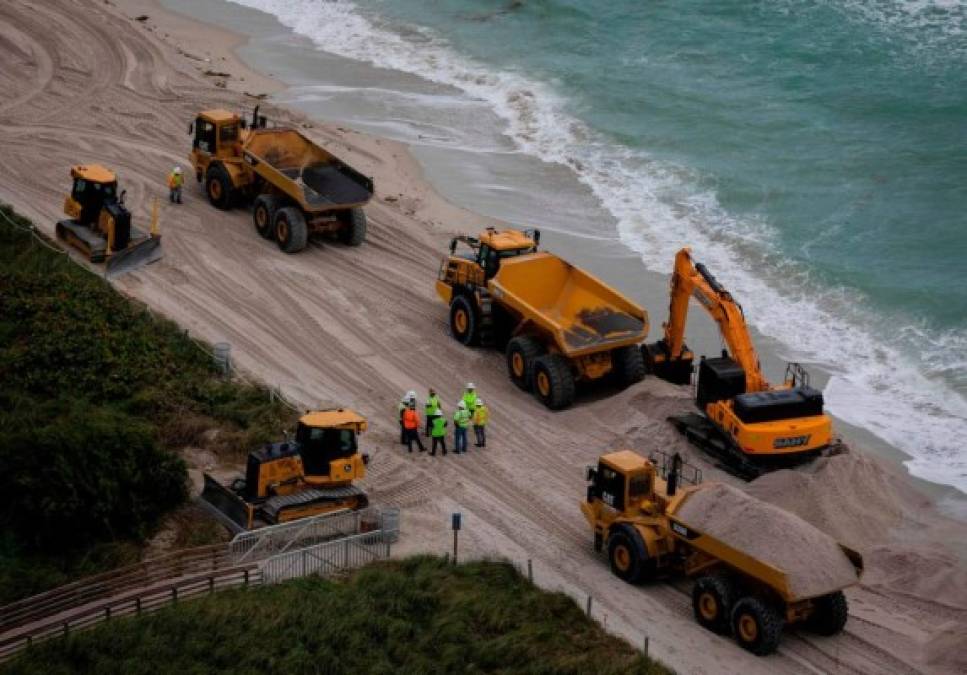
column 461, row 422
column 470, row 396
column 430, row 408
column 438, row 430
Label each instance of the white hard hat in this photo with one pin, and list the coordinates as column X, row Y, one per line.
column 438, row 412
column 462, row 404
column 471, row 385
column 177, row 169
column 479, row 402
column 411, row 394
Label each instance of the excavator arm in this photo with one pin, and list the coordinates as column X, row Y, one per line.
column 670, row 358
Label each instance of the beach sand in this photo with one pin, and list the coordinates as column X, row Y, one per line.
column 89, row 82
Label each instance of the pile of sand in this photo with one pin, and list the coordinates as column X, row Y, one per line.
column 813, row 562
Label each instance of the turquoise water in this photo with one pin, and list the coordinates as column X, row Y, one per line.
column 814, row 153
column 846, row 135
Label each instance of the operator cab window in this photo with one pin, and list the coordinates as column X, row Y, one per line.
column 204, row 135
column 228, row 133
column 611, row 486
column 639, row 487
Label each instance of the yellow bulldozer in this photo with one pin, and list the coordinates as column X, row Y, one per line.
column 748, row 425
column 658, row 520
column 306, row 476
column 99, row 225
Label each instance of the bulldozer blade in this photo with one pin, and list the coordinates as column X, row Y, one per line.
column 133, row 257
column 225, row 505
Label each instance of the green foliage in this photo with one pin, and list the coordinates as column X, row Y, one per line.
column 418, row 615
column 94, row 394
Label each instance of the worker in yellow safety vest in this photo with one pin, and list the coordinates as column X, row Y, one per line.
column 461, row 420
column 175, row 181
column 481, row 415
column 470, row 396
column 429, row 409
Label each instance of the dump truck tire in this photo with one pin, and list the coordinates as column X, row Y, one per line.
column 829, row 614
column 263, row 214
column 628, row 365
column 553, row 381
column 291, row 232
column 463, row 320
column 712, row 598
column 756, row 625
column 353, row 232
column 218, row 187
column 627, row 555
column 522, row 352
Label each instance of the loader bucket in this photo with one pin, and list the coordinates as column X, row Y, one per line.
column 133, row 257
column 226, row 506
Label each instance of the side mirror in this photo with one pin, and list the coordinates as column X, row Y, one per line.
column 453, row 246
column 590, row 473
column 191, row 128
column 121, row 198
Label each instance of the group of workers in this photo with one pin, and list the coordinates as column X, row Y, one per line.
column 470, row 411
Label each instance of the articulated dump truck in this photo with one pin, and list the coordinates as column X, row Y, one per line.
column 296, row 188
column 757, row 568
column 557, row 324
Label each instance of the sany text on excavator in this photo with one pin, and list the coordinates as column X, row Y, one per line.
column 99, row 225
column 307, row 476
column 748, row 424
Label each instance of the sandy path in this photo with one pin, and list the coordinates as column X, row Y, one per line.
column 359, row 326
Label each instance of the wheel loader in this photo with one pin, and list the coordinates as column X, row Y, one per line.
column 748, row 425
column 306, row 476
column 99, row 225
column 296, row 188
column 637, row 509
column 557, row 324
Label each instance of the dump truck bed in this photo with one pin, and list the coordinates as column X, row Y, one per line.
column 763, row 541
column 317, row 180
column 584, row 314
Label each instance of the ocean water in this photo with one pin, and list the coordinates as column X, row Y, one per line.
column 812, row 152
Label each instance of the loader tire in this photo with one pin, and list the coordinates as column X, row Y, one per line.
column 464, row 320
column 291, row 232
column 756, row 625
column 263, row 214
column 628, row 365
column 712, row 598
column 522, row 352
column 219, row 188
column 829, row 614
column 553, row 381
column 353, row 232
column 627, row 555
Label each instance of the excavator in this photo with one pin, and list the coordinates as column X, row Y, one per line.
column 99, row 225
column 306, row 476
column 748, row 425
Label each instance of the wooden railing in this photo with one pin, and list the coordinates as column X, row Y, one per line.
column 111, row 583
column 133, row 602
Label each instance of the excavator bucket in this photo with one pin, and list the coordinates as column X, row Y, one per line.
column 225, row 505
column 133, row 257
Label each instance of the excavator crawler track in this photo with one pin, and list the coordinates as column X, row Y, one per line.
column 275, row 509
column 702, row 433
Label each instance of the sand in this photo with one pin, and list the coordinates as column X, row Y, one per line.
column 84, row 81
column 812, row 561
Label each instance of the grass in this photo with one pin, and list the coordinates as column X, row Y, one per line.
column 419, row 615
column 96, row 397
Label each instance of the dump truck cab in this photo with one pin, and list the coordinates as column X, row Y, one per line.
column 217, row 134
column 309, row 474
